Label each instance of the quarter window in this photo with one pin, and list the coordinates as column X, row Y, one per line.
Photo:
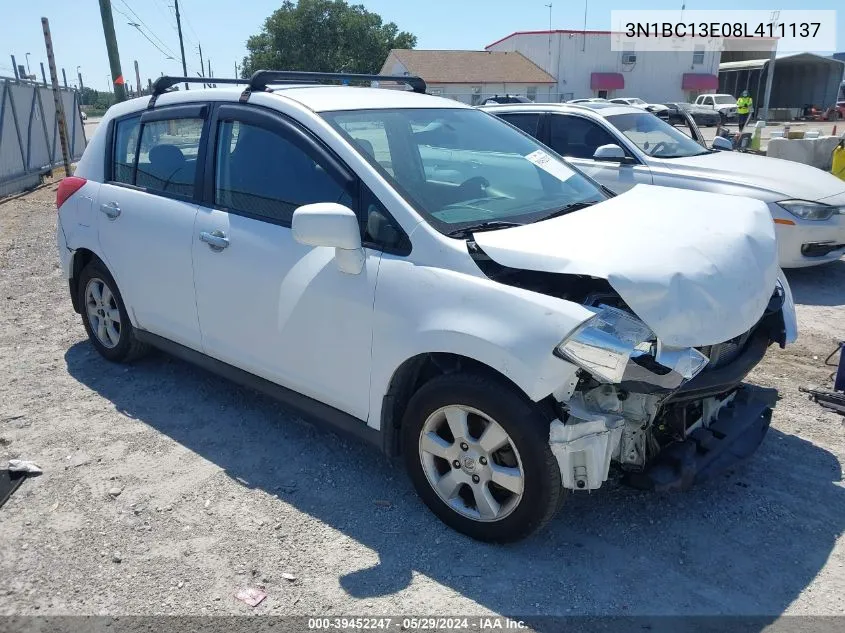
column 577, row 137
column 125, row 146
column 698, row 55
column 263, row 175
column 167, row 160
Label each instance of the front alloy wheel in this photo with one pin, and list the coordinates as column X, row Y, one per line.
column 471, row 463
column 477, row 451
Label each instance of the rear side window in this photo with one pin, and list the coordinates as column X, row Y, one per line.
column 167, row 160
column 577, row 137
column 125, row 145
column 261, row 174
column 526, row 122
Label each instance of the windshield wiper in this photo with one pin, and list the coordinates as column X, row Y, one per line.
column 489, row 225
column 569, row 208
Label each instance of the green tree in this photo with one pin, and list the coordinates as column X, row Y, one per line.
column 324, row 36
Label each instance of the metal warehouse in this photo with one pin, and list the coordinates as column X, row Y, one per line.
column 799, row 79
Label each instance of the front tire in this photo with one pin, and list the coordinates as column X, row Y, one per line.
column 104, row 315
column 478, row 454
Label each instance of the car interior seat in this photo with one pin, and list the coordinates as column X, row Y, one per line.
column 162, row 171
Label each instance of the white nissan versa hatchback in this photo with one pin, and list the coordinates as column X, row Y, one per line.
column 429, row 278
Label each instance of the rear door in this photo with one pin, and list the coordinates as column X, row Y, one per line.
column 146, row 213
column 577, row 138
column 267, row 304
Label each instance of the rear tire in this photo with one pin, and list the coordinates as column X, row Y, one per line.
column 104, row 316
column 494, row 478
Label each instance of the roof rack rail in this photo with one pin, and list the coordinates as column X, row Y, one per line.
column 263, row 78
column 165, row 82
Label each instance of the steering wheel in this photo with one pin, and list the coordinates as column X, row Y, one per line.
column 473, row 188
column 657, row 147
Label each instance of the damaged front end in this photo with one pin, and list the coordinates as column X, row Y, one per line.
column 667, row 417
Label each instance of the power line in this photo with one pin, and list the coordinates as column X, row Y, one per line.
column 138, row 26
column 161, row 41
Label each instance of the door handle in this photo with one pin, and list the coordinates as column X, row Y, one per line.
column 217, row 240
column 111, row 209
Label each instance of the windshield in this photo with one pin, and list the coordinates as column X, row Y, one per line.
column 724, row 99
column 461, row 168
column 655, row 137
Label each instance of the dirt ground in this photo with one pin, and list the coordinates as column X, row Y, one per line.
column 222, row 489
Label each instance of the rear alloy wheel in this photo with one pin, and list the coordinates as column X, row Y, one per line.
column 104, row 315
column 478, row 454
column 102, row 311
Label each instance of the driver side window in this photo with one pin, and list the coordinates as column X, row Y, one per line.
column 577, row 137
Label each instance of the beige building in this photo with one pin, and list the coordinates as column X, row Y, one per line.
column 472, row 76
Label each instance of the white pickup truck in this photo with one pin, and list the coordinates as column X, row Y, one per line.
column 724, row 104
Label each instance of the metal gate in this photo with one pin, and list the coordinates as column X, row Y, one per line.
column 29, row 139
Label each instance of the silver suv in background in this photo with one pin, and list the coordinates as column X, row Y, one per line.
column 622, row 146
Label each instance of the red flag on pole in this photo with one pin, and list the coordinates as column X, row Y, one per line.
column 119, row 81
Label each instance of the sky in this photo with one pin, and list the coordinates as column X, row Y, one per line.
column 223, row 26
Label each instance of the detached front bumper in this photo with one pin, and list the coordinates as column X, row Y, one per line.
column 730, row 439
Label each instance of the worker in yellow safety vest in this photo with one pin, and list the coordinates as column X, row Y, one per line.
column 744, row 106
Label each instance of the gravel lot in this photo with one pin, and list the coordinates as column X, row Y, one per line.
column 222, row 489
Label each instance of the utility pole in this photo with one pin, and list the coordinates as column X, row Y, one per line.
column 763, row 113
column 43, row 74
column 57, row 95
column 15, row 67
column 209, row 68
column 137, row 78
column 111, row 46
column 202, row 64
column 64, row 77
column 237, row 76
column 181, row 44
column 81, row 86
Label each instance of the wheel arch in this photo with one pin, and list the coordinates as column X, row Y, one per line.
column 80, row 258
column 416, row 371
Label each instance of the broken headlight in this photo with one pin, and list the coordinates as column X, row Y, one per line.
column 614, row 346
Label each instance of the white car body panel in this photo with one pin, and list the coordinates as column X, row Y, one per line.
column 283, row 311
column 723, row 262
column 146, row 248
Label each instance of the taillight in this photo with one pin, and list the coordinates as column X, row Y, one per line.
column 68, row 186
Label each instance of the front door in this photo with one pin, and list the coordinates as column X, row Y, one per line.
column 266, row 303
column 146, row 218
column 577, row 138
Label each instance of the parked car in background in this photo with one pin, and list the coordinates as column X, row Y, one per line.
column 706, row 117
column 655, row 108
column 621, row 147
column 590, row 100
column 507, row 99
column 725, row 105
column 835, row 113
column 82, row 115
column 424, row 276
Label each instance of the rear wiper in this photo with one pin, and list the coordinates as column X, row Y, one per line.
column 569, row 208
column 489, row 225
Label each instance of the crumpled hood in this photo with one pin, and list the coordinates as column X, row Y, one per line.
column 786, row 179
column 697, row 268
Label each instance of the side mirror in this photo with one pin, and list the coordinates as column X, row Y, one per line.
column 332, row 225
column 610, row 152
column 721, row 143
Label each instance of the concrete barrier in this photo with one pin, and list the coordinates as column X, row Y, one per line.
column 810, row 151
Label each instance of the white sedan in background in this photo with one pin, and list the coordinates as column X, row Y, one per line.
column 622, row 146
